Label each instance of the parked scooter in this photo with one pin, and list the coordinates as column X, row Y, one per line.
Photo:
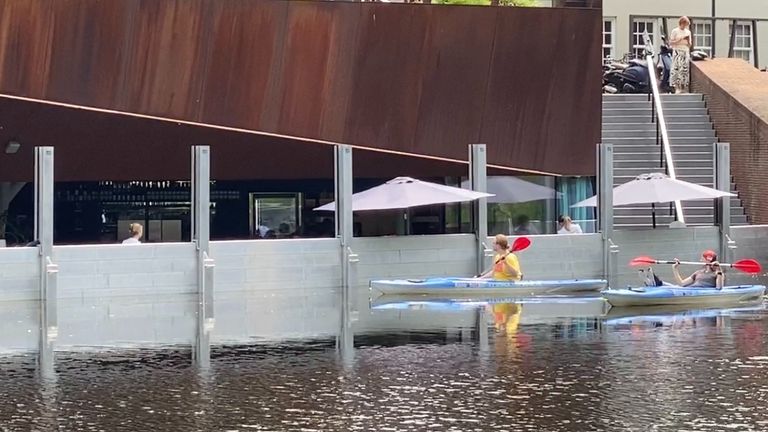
column 633, row 77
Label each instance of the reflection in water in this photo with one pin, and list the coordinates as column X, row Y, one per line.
column 620, row 371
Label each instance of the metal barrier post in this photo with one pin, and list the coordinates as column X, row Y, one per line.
column 723, row 206
column 345, row 341
column 481, row 328
column 48, row 270
column 201, row 233
column 605, row 211
column 478, row 181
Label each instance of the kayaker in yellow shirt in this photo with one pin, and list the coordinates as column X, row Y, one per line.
column 505, row 263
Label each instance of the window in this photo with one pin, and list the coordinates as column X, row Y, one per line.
column 702, row 37
column 609, row 31
column 639, row 27
column 742, row 44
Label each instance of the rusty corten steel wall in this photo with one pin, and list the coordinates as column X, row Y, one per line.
column 424, row 79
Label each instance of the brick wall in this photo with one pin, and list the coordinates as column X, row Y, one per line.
column 737, row 98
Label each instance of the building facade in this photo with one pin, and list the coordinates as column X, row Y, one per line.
column 624, row 23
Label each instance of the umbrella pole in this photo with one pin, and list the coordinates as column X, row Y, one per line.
column 407, row 218
column 653, row 214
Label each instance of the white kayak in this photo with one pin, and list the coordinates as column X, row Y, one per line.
column 477, row 286
column 677, row 295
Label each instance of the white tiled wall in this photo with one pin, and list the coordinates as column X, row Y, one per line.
column 146, row 294
column 126, row 270
column 751, row 242
column 19, row 274
column 414, row 256
column 276, row 288
column 19, row 326
column 561, row 257
column 126, row 295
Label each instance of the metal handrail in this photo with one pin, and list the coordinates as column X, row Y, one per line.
column 661, row 123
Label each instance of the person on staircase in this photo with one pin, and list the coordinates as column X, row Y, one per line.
column 680, row 40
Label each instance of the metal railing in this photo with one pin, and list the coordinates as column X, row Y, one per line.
column 657, row 116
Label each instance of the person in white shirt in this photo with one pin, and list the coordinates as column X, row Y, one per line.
column 136, row 231
column 680, row 40
column 567, row 226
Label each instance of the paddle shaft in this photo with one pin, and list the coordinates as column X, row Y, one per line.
column 691, row 263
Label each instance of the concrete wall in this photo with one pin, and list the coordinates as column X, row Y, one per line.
column 125, row 295
column 562, row 257
column 414, row 256
column 18, row 274
column 118, row 270
column 275, row 289
column 751, row 242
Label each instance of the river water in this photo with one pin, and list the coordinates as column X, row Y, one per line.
column 539, row 367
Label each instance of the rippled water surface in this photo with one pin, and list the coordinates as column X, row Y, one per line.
column 623, row 370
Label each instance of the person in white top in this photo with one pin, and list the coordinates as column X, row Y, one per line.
column 136, row 231
column 567, row 226
column 680, row 40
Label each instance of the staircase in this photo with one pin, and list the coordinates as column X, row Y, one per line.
column 627, row 125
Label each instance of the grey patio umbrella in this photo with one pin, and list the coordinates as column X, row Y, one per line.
column 656, row 188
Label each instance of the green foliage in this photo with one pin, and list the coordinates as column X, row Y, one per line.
column 524, row 3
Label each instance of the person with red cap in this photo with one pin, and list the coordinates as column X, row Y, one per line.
column 709, row 276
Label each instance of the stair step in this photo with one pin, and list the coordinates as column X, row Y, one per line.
column 651, row 133
column 652, row 141
column 646, row 112
column 642, row 222
column 662, row 219
column 735, row 202
column 652, row 126
column 739, row 220
column 611, row 104
column 655, row 156
column 680, row 172
column 644, row 97
column 649, row 165
column 687, row 211
column 706, row 180
column 671, row 118
column 647, row 147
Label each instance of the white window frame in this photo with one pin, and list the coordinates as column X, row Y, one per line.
column 638, row 45
column 746, row 50
column 702, row 33
column 609, row 47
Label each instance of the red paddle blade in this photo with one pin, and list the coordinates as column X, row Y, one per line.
column 642, row 260
column 520, row 243
column 748, row 266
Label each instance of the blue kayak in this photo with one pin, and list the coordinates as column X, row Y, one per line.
column 476, row 286
column 666, row 313
column 677, row 295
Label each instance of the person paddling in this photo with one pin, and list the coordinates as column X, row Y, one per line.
column 505, row 263
column 709, row 276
